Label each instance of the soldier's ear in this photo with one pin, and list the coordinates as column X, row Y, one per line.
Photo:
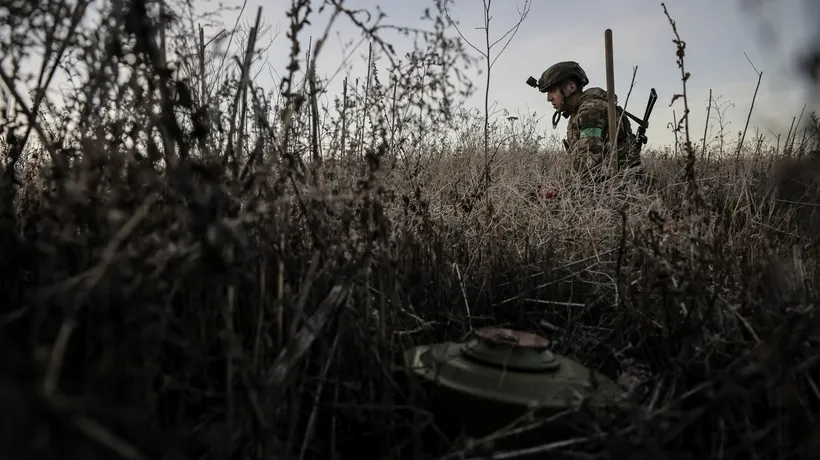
column 571, row 87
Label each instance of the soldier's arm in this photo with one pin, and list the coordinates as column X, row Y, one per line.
column 592, row 125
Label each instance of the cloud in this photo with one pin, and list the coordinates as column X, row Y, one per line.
column 716, row 35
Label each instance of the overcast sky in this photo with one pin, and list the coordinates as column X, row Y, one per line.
column 717, row 34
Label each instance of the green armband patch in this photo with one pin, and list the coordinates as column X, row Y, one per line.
column 591, row 132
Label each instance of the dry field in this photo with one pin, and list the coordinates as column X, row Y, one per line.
column 183, row 279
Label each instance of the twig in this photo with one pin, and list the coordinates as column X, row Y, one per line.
column 91, row 278
column 544, row 448
column 553, row 302
column 302, row 340
column 42, row 86
column 694, row 198
column 9, row 82
column 796, row 127
column 706, row 126
column 490, row 63
column 309, row 431
column 749, row 115
column 235, row 150
column 463, row 290
column 624, row 108
column 93, row 430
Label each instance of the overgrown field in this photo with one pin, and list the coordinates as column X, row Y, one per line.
column 196, row 267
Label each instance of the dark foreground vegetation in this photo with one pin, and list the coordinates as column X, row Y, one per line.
column 193, row 267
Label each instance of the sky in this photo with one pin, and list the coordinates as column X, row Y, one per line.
column 719, row 35
column 724, row 38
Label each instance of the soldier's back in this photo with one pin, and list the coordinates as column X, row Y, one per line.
column 588, row 129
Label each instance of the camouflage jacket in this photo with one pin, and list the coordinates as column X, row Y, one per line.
column 588, row 134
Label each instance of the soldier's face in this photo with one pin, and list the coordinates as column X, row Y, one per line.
column 555, row 98
column 556, row 95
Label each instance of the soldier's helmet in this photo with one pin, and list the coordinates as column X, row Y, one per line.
column 561, row 72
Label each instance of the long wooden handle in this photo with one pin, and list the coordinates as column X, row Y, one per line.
column 610, row 93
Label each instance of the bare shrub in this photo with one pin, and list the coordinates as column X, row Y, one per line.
column 197, row 267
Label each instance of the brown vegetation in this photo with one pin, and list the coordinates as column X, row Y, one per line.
column 178, row 282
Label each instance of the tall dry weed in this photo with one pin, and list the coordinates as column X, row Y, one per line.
column 185, row 275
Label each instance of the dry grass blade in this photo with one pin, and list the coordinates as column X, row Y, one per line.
column 289, row 357
column 198, row 266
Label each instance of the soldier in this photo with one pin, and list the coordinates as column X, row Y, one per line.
column 587, row 131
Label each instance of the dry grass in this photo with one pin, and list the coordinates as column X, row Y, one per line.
column 182, row 309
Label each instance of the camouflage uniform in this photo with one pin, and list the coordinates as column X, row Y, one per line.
column 588, row 134
column 588, row 127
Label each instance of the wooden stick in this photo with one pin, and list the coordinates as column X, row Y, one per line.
column 610, row 90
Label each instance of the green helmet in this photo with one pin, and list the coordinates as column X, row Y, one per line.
column 561, row 72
